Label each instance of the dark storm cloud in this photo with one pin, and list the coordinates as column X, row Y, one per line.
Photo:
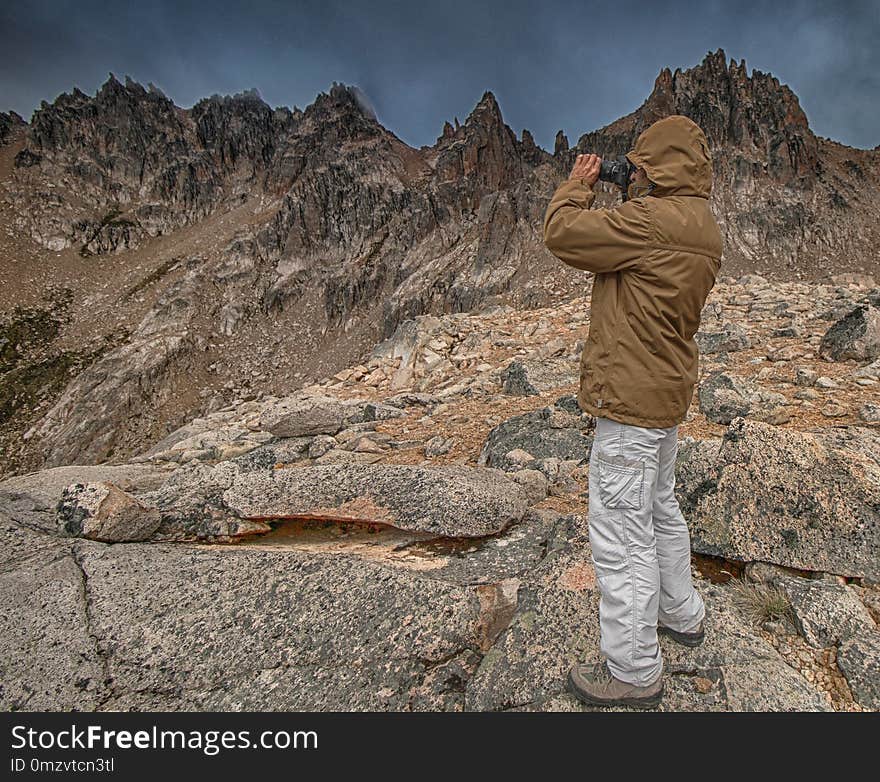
column 551, row 65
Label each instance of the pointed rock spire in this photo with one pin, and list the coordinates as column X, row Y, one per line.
column 561, row 145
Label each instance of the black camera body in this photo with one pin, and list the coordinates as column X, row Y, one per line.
column 617, row 171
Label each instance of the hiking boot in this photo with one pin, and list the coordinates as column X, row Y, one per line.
column 595, row 685
column 694, row 638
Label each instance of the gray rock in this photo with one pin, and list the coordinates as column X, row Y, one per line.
column 206, row 440
column 346, row 456
column 825, row 613
column 320, row 445
column 869, row 371
column 305, row 415
column 515, row 380
column 283, row 451
column 855, row 336
column 494, row 558
column 532, row 432
column 805, row 377
column 833, row 410
column 309, row 632
column 870, row 596
column 548, row 373
column 569, row 403
column 859, row 661
column 803, row 500
column 32, row 499
column 870, row 413
column 363, row 412
column 192, row 504
column 101, row 511
column 518, row 459
column 410, row 398
column 723, row 397
column 20, row 542
column 451, row 500
column 534, row 482
column 438, row 445
column 732, row 337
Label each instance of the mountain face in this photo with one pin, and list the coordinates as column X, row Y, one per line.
column 790, row 203
column 187, row 257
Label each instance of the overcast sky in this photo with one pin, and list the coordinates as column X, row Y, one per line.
column 551, row 64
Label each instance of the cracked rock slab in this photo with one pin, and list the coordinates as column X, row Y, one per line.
column 452, row 500
column 48, row 658
column 277, row 629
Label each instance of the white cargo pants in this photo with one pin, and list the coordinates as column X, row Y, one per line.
column 641, row 547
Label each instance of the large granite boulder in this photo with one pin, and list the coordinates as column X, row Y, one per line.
column 798, row 499
column 102, row 511
column 452, row 500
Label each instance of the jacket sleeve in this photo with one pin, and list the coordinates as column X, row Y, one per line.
column 598, row 240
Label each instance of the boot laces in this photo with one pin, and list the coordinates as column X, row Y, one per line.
column 601, row 674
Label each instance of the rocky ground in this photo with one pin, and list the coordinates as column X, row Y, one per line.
column 158, row 263
column 411, row 533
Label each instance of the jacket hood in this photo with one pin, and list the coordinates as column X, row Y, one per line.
column 675, row 155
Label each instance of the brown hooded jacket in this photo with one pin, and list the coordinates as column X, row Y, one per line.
column 655, row 259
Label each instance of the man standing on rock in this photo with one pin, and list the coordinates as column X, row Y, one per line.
column 655, row 258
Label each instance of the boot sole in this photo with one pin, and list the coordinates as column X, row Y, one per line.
column 685, row 639
column 637, row 703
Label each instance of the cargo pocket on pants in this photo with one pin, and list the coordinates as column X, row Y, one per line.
column 621, row 481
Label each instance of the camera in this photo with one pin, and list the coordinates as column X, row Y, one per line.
column 617, row 171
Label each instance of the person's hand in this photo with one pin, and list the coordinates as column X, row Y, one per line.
column 586, row 167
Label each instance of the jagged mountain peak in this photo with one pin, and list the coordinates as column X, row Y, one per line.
column 755, row 117
column 113, row 89
column 489, row 100
column 487, row 112
column 484, row 118
column 342, row 99
column 245, row 101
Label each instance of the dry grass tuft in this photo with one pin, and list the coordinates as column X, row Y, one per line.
column 760, row 602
